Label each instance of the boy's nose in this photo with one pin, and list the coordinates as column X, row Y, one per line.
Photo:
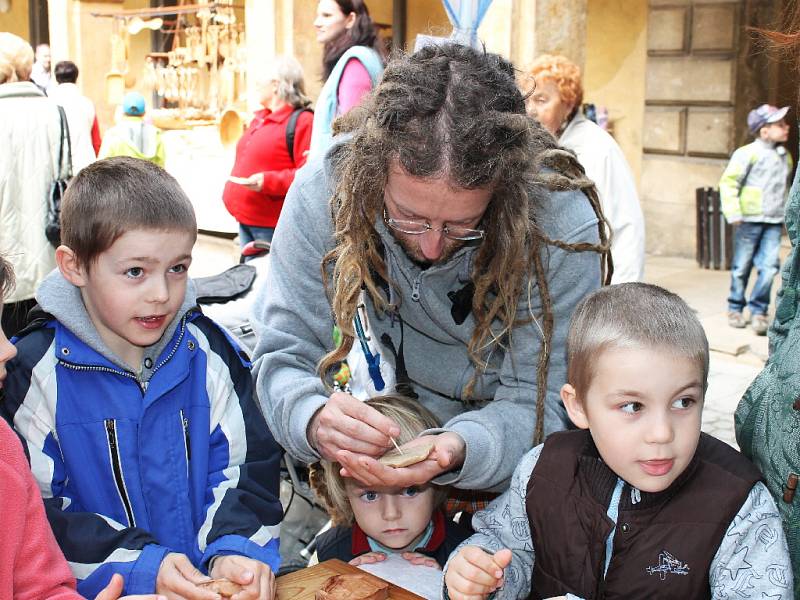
column 159, row 290
column 660, row 430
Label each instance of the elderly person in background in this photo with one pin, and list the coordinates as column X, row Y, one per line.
column 555, row 96
column 30, row 136
column 270, row 151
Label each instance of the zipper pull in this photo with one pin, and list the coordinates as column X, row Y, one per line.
column 415, row 289
column 112, row 435
column 186, row 436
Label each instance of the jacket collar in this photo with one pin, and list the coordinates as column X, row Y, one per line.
column 20, row 89
column 601, row 480
column 360, row 541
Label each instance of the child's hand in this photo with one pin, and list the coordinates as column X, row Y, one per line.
column 178, row 578
column 415, row 558
column 368, row 558
column 113, row 590
column 474, row 574
column 256, row 577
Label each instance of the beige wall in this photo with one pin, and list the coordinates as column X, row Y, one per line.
column 614, row 77
column 427, row 17
column 16, row 20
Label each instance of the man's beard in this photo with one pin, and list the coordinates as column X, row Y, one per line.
column 415, row 254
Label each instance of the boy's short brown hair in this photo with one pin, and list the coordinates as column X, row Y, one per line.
column 411, row 417
column 115, row 195
column 631, row 315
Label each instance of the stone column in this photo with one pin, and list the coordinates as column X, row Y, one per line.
column 548, row 26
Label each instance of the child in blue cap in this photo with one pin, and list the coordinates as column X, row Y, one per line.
column 132, row 136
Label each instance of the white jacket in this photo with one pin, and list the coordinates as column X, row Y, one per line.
column 30, row 134
column 605, row 164
column 80, row 116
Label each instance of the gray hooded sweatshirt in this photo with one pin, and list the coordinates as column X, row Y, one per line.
column 294, row 324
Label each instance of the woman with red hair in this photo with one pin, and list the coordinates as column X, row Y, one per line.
column 555, row 94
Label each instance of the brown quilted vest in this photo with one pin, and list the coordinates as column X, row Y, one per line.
column 664, row 543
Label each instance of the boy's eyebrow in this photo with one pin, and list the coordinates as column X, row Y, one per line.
column 638, row 394
column 151, row 260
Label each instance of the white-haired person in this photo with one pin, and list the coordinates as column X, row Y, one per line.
column 270, row 151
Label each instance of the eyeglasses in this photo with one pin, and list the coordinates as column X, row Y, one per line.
column 463, row 234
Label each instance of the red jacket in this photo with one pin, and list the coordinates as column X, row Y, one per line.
column 262, row 148
column 31, row 563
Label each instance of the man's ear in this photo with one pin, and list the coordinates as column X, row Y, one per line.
column 69, row 266
column 575, row 408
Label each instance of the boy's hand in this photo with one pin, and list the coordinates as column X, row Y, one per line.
column 474, row 573
column 368, row 558
column 415, row 558
column 113, row 590
column 256, row 577
column 178, row 578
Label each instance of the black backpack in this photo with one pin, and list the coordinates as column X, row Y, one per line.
column 291, row 126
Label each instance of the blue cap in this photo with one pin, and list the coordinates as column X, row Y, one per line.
column 764, row 115
column 133, row 104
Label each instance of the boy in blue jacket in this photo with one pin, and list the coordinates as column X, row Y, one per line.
column 136, row 411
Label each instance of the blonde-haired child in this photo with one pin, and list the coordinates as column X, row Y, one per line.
column 372, row 522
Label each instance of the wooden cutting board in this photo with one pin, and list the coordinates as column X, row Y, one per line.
column 302, row 584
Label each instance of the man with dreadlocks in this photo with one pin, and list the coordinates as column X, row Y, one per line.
column 450, row 223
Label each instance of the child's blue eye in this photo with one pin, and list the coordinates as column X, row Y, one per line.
column 684, row 402
column 134, row 272
column 369, row 496
column 410, row 492
column 631, row 407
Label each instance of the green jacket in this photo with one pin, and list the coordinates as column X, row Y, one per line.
column 133, row 137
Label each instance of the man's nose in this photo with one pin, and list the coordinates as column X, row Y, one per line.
column 431, row 244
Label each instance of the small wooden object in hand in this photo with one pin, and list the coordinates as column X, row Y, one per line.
column 353, row 587
column 406, row 458
column 224, row 587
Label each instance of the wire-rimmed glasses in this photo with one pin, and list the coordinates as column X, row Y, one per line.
column 453, row 232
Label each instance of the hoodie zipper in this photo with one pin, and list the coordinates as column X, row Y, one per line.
column 142, row 385
column 116, row 467
column 187, row 442
column 415, row 288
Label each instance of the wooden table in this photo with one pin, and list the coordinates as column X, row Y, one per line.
column 302, row 584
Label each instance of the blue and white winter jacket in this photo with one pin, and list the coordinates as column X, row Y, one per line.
column 134, row 466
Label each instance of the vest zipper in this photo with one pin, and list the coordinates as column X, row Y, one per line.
column 116, row 467
column 186, row 441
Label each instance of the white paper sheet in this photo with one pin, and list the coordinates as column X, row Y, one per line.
column 423, row 581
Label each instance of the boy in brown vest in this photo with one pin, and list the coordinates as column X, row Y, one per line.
column 636, row 503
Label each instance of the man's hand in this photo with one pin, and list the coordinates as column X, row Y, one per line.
column 473, row 574
column 346, row 423
column 415, row 558
column 256, row 577
column 368, row 558
column 113, row 590
column 178, row 578
column 448, row 453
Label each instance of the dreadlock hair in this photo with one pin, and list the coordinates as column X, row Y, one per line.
column 449, row 111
